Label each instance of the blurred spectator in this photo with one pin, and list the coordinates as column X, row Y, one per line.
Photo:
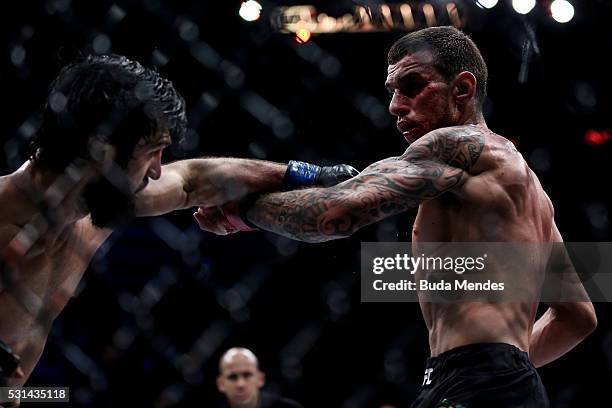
column 241, row 380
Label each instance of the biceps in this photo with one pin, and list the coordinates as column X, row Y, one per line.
column 163, row 195
column 418, row 180
column 387, row 189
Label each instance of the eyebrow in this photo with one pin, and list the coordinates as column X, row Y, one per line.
column 147, row 148
column 163, row 142
column 240, row 373
column 412, row 76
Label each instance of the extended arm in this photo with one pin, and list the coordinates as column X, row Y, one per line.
column 207, row 182
column 564, row 324
column 436, row 163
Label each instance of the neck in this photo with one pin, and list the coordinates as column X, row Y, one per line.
column 472, row 116
column 61, row 192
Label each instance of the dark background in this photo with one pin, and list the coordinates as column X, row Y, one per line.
column 163, row 300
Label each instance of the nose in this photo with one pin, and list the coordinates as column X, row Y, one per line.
column 398, row 105
column 154, row 170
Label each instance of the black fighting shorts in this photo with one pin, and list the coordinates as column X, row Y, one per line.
column 482, row 375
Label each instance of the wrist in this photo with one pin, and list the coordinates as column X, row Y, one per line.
column 236, row 214
column 300, row 174
column 243, row 208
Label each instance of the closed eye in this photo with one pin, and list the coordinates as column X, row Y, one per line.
column 411, row 87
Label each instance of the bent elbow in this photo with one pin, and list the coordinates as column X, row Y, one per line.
column 333, row 223
column 320, row 236
column 591, row 319
column 579, row 317
column 337, row 223
column 585, row 318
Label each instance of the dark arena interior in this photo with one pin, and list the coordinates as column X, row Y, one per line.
column 162, row 300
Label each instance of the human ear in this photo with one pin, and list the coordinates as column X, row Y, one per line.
column 220, row 385
column 100, row 150
column 261, row 379
column 464, row 87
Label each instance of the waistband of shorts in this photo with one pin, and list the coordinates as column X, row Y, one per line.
column 480, row 353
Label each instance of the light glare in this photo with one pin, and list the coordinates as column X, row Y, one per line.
column 523, row 6
column 562, row 11
column 487, row 3
column 250, row 10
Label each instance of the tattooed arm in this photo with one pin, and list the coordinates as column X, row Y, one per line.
column 438, row 162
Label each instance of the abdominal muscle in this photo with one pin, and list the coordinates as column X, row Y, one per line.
column 458, row 323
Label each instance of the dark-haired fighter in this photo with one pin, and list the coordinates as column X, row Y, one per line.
column 105, row 124
column 469, row 184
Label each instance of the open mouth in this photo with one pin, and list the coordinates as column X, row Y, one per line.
column 408, row 130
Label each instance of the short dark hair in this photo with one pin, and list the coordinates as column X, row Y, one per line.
column 453, row 52
column 109, row 97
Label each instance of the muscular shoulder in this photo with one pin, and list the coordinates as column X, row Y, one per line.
column 9, row 222
column 474, row 149
column 457, row 146
column 505, row 180
column 6, row 202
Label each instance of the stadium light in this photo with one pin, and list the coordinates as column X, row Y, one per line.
column 562, row 11
column 250, row 10
column 523, row 6
column 487, row 3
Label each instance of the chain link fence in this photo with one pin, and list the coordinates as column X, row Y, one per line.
column 161, row 300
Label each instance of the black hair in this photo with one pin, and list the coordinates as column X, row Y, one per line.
column 109, row 97
column 453, row 52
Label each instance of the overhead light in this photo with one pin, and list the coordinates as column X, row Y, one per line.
column 523, row 6
column 250, row 10
column 562, row 11
column 487, row 3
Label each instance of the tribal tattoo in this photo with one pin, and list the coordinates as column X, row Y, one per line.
column 431, row 166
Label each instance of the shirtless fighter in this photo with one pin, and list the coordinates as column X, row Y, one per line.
column 455, row 171
column 105, row 124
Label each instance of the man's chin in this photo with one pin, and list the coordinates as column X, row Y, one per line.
column 243, row 401
column 413, row 135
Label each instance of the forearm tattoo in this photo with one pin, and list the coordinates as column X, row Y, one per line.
column 428, row 168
